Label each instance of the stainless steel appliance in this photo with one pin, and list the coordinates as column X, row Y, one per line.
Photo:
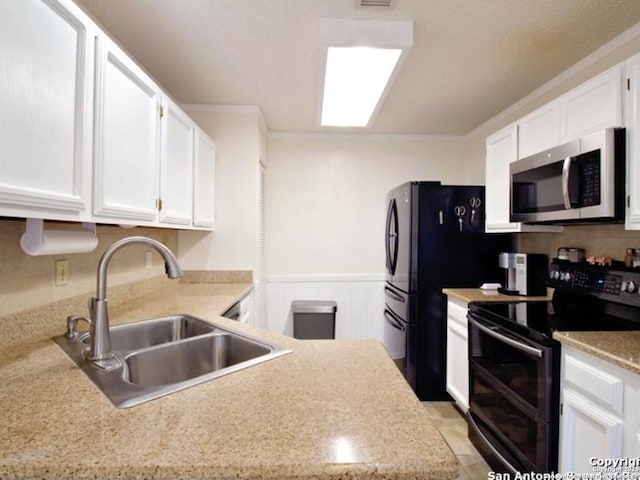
column 579, row 181
column 514, row 363
column 434, row 238
column 526, row 273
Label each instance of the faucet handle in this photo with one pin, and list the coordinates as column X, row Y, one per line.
column 72, row 325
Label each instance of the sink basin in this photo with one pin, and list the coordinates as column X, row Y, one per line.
column 164, row 355
column 185, row 360
column 147, row 333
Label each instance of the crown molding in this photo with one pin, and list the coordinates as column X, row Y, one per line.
column 364, row 136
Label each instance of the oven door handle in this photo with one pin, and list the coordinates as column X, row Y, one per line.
column 491, row 447
column 566, row 170
column 509, row 341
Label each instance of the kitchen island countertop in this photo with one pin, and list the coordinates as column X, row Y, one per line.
column 331, row 409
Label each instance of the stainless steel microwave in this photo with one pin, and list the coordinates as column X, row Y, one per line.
column 579, row 181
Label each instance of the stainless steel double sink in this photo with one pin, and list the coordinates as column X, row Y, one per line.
column 164, row 355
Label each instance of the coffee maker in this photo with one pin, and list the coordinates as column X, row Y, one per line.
column 526, row 273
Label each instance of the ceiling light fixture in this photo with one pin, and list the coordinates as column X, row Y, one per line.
column 359, row 61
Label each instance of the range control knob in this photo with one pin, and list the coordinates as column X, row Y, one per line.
column 629, row 286
column 555, row 274
column 566, row 277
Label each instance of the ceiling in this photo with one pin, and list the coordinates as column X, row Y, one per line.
column 470, row 60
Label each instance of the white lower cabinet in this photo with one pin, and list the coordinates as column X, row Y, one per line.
column 599, row 412
column 457, row 353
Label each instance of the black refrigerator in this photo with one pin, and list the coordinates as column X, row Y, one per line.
column 434, row 239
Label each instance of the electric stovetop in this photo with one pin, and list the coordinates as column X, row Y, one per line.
column 538, row 320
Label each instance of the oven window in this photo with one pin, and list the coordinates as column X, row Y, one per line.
column 517, row 370
column 519, row 433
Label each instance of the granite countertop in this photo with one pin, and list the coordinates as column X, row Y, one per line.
column 479, row 295
column 328, row 410
column 619, row 348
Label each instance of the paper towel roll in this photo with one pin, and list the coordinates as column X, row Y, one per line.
column 37, row 241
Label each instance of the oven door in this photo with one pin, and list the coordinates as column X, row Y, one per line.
column 513, row 397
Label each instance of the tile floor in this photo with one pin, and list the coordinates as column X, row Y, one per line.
column 453, row 428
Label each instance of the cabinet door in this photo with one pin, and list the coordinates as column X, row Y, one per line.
column 594, row 105
column 204, row 181
column 502, row 149
column 46, row 78
column 176, row 165
column 539, row 130
column 457, row 354
column 632, row 219
column 586, row 431
column 127, row 138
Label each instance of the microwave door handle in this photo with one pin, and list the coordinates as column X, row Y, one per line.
column 566, row 170
column 509, row 341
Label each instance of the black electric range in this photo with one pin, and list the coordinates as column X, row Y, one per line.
column 586, row 298
column 514, row 362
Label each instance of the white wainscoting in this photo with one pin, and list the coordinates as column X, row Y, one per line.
column 360, row 300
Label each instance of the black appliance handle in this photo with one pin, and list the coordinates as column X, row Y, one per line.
column 504, row 339
column 391, row 320
column 393, row 295
column 392, row 237
column 566, row 170
column 493, row 449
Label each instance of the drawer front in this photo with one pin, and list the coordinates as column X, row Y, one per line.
column 457, row 312
column 595, row 384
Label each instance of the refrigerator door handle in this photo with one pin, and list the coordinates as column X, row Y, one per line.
column 394, row 295
column 391, row 245
column 391, row 320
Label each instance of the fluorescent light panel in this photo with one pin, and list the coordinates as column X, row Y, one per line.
column 355, row 79
column 359, row 60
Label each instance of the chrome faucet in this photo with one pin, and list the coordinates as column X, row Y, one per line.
column 100, row 347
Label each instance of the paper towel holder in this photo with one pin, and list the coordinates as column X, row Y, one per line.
column 37, row 241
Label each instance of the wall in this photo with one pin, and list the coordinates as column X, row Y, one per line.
column 600, row 240
column 326, row 197
column 326, row 211
column 232, row 244
column 27, row 282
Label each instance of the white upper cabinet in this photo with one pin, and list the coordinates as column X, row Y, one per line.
column 593, row 106
column 632, row 217
column 46, row 86
column 502, row 149
column 539, row 130
column 176, row 165
column 204, row 181
column 127, row 138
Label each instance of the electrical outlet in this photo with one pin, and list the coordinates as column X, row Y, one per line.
column 148, row 260
column 62, row 272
